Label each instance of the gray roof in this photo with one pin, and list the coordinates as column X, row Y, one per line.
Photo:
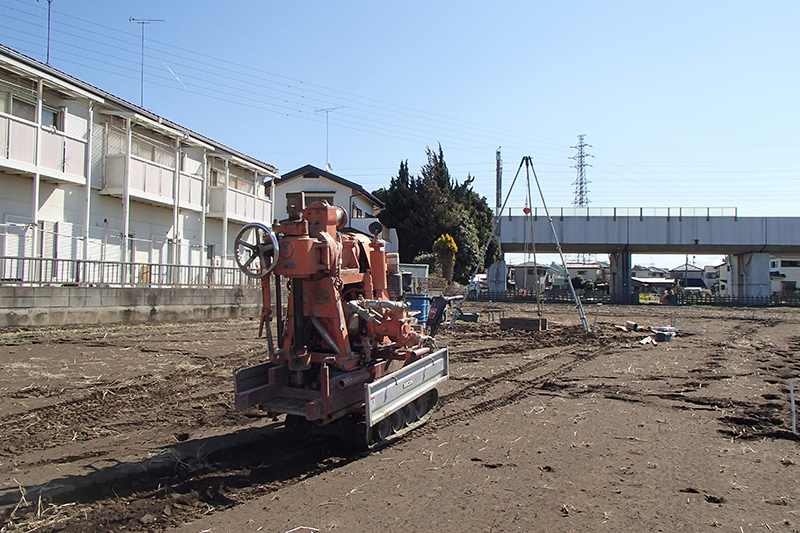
column 110, row 99
column 311, row 169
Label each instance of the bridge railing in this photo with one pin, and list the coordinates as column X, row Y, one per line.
column 589, row 212
column 784, row 299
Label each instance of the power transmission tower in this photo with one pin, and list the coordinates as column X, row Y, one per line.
column 581, row 183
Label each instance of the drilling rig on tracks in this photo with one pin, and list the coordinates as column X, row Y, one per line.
column 351, row 359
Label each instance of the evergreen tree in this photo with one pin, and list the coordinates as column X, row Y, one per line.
column 436, row 204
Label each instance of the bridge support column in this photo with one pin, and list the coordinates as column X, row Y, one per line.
column 620, row 284
column 750, row 276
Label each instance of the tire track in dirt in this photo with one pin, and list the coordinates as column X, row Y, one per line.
column 523, row 388
column 189, row 487
column 112, row 407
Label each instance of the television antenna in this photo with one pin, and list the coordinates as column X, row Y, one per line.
column 142, row 23
column 49, row 5
column 327, row 112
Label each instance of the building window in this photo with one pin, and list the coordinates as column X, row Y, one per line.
column 52, row 119
column 311, row 198
column 217, row 179
column 357, row 213
column 24, row 110
column 151, row 150
column 789, row 264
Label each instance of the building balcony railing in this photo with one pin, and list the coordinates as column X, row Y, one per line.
column 37, row 272
column 147, row 180
column 61, row 158
column 190, row 192
column 242, row 207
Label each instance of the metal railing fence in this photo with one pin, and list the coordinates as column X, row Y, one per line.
column 36, row 271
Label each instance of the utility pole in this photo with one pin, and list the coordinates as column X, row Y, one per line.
column 142, row 23
column 327, row 112
column 580, row 183
column 499, row 190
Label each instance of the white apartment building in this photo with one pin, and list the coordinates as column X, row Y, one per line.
column 85, row 175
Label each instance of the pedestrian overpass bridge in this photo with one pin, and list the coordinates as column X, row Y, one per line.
column 620, row 232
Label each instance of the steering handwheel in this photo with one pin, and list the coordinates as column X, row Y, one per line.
column 256, row 250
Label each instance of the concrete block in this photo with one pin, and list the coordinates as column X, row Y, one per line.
column 525, row 324
column 54, row 297
column 24, row 292
column 108, row 296
column 22, row 302
column 6, row 300
column 42, row 293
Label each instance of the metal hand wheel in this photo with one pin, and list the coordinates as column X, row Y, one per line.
column 256, row 250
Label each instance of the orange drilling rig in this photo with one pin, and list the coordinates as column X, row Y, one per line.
column 350, row 356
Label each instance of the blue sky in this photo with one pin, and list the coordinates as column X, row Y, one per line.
column 685, row 104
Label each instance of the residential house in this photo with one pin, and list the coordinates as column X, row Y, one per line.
column 711, row 277
column 644, row 272
column 723, row 278
column 587, row 271
column 318, row 185
column 524, row 276
column 688, row 276
column 784, row 274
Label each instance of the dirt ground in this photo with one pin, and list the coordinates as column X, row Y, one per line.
column 133, row 428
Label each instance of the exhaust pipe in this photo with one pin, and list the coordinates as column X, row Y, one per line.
column 353, row 378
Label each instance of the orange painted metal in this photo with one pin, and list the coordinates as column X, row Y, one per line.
column 328, row 338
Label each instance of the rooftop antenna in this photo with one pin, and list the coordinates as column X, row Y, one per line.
column 327, row 112
column 142, row 23
column 49, row 5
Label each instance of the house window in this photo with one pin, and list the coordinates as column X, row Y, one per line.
column 52, row 119
column 150, row 150
column 217, row 179
column 24, row 110
column 311, row 198
column 787, row 264
column 357, row 213
column 773, row 264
